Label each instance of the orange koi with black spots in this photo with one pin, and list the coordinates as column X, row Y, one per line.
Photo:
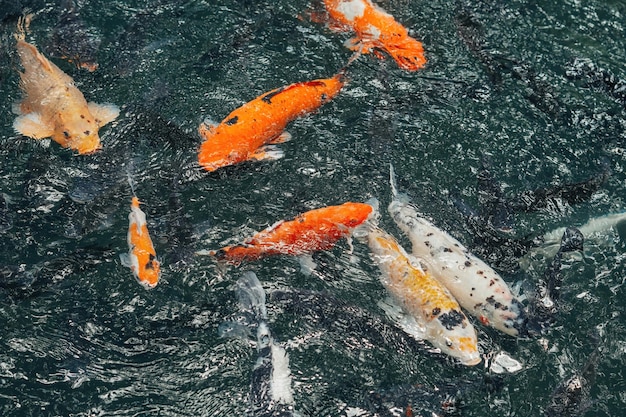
column 141, row 256
column 52, row 106
column 250, row 131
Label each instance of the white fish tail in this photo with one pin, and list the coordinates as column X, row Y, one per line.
column 392, row 181
column 395, row 194
column 129, row 177
column 281, row 376
column 251, row 295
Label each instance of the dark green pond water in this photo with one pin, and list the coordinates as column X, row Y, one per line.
column 522, row 89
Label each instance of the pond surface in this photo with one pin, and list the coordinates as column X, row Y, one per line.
column 514, row 128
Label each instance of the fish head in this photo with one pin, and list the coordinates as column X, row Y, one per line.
column 214, row 154
column 462, row 345
column 332, row 86
column 78, row 131
column 216, row 159
column 150, row 274
column 512, row 320
column 351, row 215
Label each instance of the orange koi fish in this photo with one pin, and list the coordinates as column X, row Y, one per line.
column 141, row 256
column 375, row 30
column 250, row 131
column 52, row 106
column 312, row 231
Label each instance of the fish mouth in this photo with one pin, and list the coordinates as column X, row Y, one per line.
column 471, row 361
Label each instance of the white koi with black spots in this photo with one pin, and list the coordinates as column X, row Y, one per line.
column 437, row 314
column 477, row 287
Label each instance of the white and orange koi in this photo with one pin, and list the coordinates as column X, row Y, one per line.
column 476, row 286
column 141, row 256
column 311, row 231
column 436, row 312
column 52, row 106
column 375, row 30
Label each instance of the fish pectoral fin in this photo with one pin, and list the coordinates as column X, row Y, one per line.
column 33, row 126
column 17, row 108
column 307, row 264
column 282, row 138
column 359, row 45
column 103, row 113
column 400, row 318
column 268, row 152
column 125, row 259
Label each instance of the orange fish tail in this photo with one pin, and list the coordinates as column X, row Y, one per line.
column 408, row 54
column 237, row 254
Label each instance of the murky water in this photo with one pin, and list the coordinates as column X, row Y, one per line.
column 503, row 105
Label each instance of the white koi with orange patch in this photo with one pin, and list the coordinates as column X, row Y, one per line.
column 476, row 286
column 52, row 106
column 141, row 256
column 436, row 312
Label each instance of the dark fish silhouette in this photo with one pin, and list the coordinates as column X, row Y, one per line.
column 544, row 303
column 571, row 397
column 73, row 40
column 492, row 226
column 597, row 78
column 5, row 219
column 444, row 399
column 324, row 310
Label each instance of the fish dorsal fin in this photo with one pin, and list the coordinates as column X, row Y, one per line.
column 32, row 50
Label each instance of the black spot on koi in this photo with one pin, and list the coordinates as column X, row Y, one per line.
column 269, row 96
column 452, row 319
column 150, row 263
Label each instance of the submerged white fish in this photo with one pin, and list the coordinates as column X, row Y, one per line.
column 425, row 299
column 475, row 285
column 270, row 389
column 596, row 227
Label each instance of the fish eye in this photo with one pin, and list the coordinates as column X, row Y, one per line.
column 66, row 133
column 448, row 343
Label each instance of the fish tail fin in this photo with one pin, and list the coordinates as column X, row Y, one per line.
column 23, row 25
column 343, row 72
column 395, row 194
column 392, row 181
column 130, row 178
column 251, row 295
column 409, row 54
